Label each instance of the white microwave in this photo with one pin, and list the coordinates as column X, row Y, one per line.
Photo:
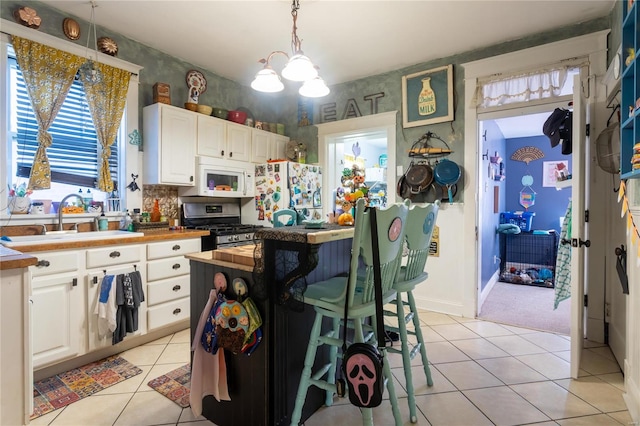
column 216, row 178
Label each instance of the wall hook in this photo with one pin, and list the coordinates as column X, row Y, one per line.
column 484, row 135
column 485, row 156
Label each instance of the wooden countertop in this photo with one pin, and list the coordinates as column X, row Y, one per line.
column 12, row 259
column 300, row 234
column 207, row 257
column 149, row 236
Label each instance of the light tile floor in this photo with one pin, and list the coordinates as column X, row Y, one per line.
column 483, row 373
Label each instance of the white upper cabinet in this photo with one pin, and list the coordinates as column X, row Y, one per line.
column 169, row 145
column 267, row 146
column 238, row 142
column 212, row 137
column 219, row 138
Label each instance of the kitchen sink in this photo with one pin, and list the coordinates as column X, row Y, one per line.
column 57, row 237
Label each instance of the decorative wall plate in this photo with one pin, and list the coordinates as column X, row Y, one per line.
column 196, row 80
column 108, row 45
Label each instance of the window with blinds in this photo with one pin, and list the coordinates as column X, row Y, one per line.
column 73, row 155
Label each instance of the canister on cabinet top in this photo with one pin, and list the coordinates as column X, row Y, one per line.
column 162, row 93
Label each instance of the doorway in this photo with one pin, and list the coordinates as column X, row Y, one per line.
column 375, row 136
column 517, row 271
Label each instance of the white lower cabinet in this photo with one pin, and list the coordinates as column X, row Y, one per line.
column 65, row 291
column 58, row 311
column 168, row 281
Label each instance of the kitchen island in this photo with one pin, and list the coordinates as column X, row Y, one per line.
column 263, row 386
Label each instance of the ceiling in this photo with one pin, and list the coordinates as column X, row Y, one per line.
column 348, row 40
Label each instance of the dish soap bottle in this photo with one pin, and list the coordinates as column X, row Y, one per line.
column 155, row 213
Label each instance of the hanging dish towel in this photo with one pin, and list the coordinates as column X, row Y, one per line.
column 563, row 262
column 208, row 371
column 106, row 306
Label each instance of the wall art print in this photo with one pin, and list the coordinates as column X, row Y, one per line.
column 427, row 97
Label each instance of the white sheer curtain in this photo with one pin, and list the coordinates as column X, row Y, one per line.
column 522, row 87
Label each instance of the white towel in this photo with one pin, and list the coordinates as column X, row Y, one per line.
column 106, row 306
column 208, row 371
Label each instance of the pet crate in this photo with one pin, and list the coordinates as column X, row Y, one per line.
column 528, row 258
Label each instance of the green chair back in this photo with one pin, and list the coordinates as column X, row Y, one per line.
column 391, row 223
column 285, row 217
column 421, row 221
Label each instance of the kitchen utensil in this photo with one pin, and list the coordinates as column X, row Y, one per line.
column 220, row 113
column 237, row 116
column 419, row 177
column 447, row 173
column 403, row 189
column 439, row 192
column 204, row 109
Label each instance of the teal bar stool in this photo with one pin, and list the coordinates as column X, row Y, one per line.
column 285, row 217
column 420, row 224
column 328, row 299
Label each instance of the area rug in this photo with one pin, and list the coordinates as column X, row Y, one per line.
column 526, row 306
column 175, row 385
column 73, row 385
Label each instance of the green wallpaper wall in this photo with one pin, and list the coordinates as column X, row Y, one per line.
column 228, row 94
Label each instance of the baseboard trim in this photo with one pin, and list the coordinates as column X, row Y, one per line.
column 440, row 306
column 487, row 289
column 632, row 395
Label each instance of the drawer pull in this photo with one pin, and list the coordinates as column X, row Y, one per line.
column 222, row 152
column 177, row 311
column 44, row 263
column 95, row 279
column 176, row 247
column 114, row 254
column 74, row 282
column 176, row 287
column 176, row 266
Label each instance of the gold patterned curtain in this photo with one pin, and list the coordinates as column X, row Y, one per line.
column 107, row 99
column 48, row 74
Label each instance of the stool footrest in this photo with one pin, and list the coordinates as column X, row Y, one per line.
column 327, row 339
column 321, row 372
column 414, row 350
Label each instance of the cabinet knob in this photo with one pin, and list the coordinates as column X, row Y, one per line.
column 114, row 254
column 176, row 266
column 176, row 287
column 177, row 311
column 222, row 152
column 176, row 247
column 44, row 263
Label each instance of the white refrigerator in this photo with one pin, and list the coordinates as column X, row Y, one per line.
column 287, row 185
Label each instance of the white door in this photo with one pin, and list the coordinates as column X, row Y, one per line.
column 579, row 204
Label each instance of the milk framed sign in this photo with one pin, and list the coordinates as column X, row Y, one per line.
column 427, row 97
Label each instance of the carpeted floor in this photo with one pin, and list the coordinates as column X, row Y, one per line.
column 65, row 388
column 175, row 385
column 527, row 306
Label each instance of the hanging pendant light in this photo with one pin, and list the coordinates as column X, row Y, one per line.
column 88, row 71
column 298, row 68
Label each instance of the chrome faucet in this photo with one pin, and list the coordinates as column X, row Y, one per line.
column 61, row 206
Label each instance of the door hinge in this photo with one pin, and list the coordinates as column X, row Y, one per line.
column 586, row 215
column 586, row 300
column 587, row 128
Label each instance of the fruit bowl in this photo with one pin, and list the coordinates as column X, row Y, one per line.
column 237, row 116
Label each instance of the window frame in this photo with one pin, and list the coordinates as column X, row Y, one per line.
column 129, row 153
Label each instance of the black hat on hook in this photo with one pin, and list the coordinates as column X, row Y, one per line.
column 557, row 127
